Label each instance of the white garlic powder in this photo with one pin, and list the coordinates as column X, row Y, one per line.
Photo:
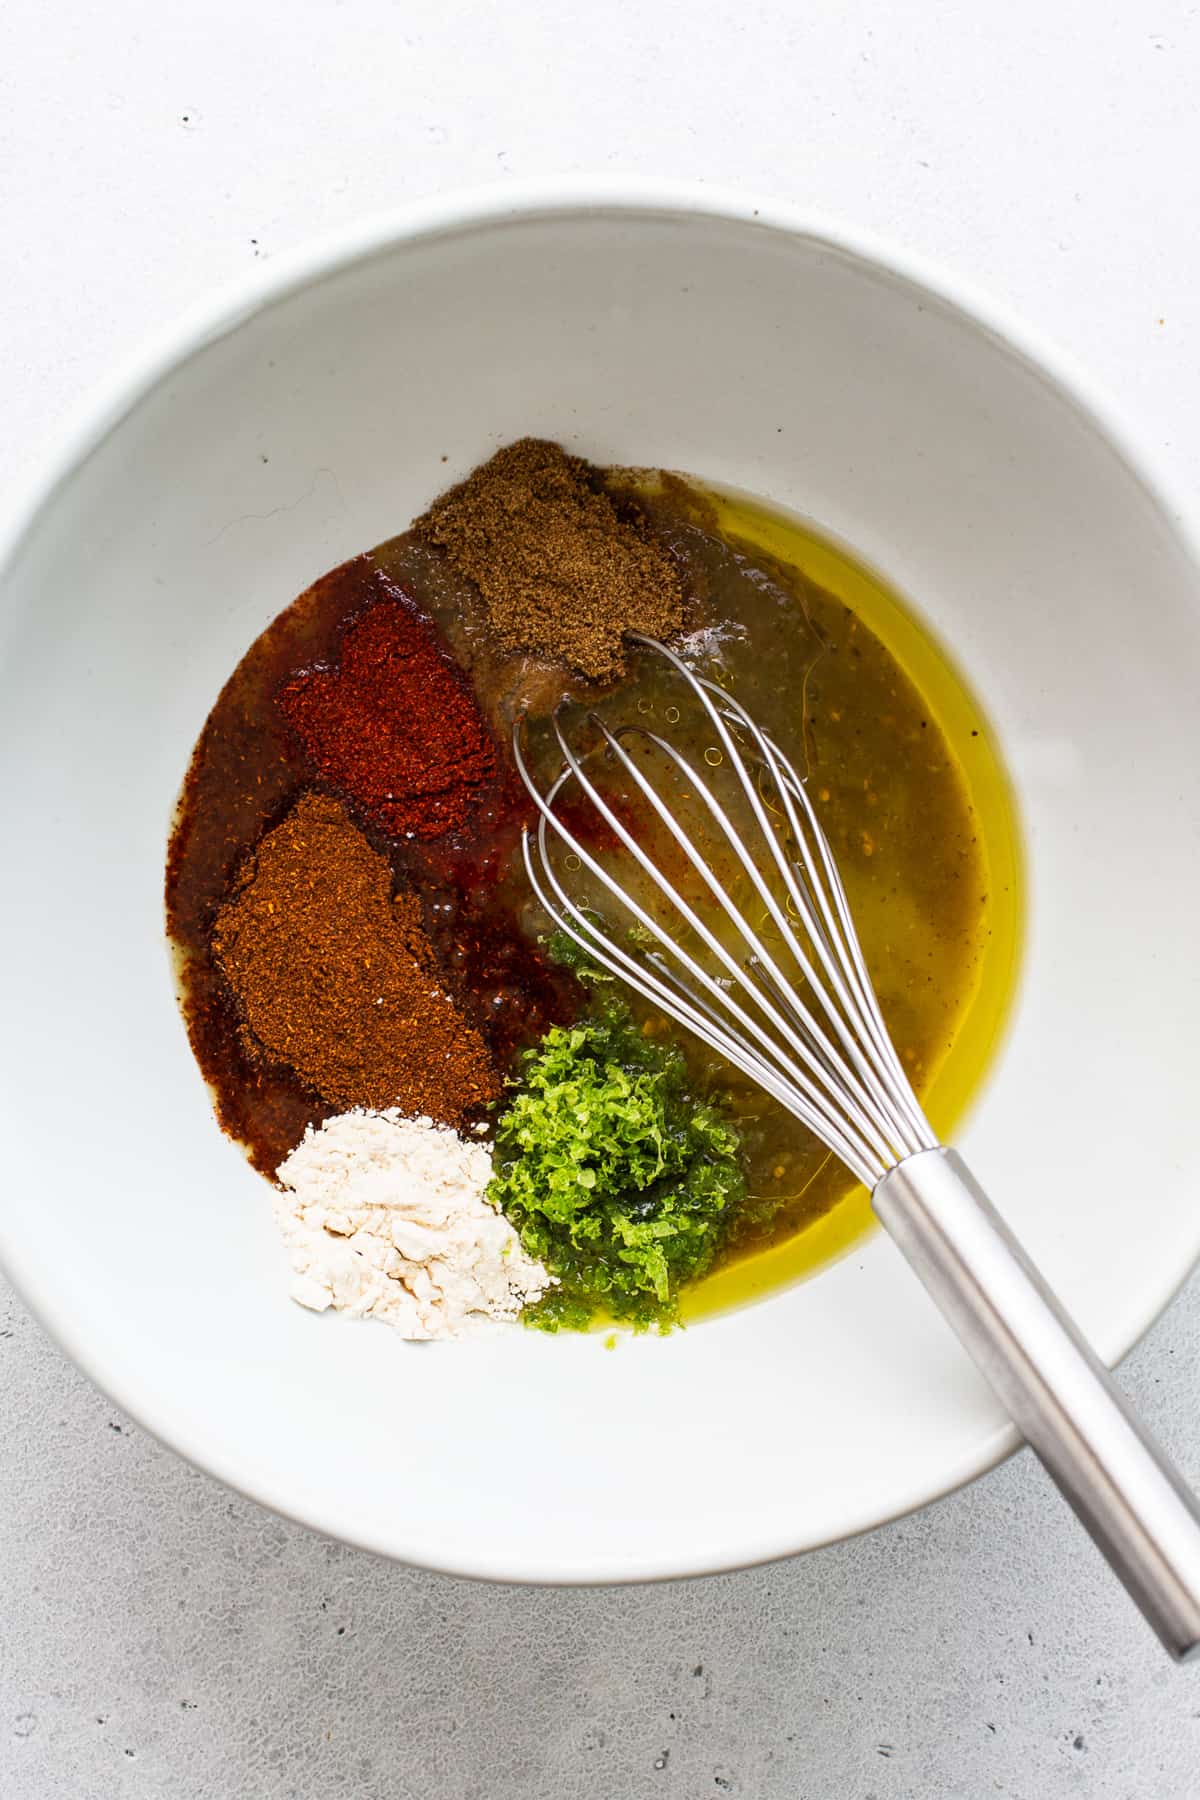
column 385, row 1217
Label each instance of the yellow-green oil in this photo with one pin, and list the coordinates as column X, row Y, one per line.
column 940, row 921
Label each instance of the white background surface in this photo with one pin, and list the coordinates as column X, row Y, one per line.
column 160, row 1637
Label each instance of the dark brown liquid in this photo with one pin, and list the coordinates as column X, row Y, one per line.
column 246, row 773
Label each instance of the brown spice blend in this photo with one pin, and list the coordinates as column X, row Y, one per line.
column 335, row 977
column 563, row 574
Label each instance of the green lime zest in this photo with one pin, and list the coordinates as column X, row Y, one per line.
column 614, row 1172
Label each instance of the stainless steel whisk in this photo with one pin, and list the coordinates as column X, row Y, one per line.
column 742, row 933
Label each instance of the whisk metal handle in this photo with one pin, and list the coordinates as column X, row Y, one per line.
column 1055, row 1388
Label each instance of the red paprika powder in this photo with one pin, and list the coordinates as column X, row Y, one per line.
column 394, row 724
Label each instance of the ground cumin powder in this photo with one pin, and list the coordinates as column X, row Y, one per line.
column 335, row 976
column 563, row 575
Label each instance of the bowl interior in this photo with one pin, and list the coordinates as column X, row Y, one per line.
column 317, row 421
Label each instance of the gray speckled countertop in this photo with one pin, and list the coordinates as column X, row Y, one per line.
column 160, row 1637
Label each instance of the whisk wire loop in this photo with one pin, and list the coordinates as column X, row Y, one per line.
column 838, row 946
column 799, row 1017
column 816, row 1053
column 769, row 1064
column 850, row 1006
column 702, row 1020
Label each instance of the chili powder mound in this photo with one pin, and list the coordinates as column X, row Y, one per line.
column 335, row 977
column 394, row 725
column 563, row 574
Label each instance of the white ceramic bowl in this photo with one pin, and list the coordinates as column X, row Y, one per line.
column 312, row 413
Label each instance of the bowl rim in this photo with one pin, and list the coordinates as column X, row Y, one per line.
column 459, row 212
